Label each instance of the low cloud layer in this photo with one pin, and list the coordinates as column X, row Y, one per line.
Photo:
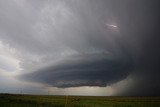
column 76, row 43
column 83, row 70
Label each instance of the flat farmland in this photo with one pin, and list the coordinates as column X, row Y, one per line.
column 15, row 100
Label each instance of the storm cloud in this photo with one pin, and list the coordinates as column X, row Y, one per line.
column 76, row 43
column 83, row 70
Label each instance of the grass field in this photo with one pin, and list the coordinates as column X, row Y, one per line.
column 9, row 100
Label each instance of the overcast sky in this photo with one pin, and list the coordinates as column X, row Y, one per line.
column 80, row 47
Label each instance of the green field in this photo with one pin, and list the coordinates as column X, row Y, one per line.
column 8, row 100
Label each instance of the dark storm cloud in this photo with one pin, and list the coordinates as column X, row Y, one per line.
column 83, row 70
column 73, row 43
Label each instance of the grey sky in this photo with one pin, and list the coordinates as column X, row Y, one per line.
column 78, row 45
